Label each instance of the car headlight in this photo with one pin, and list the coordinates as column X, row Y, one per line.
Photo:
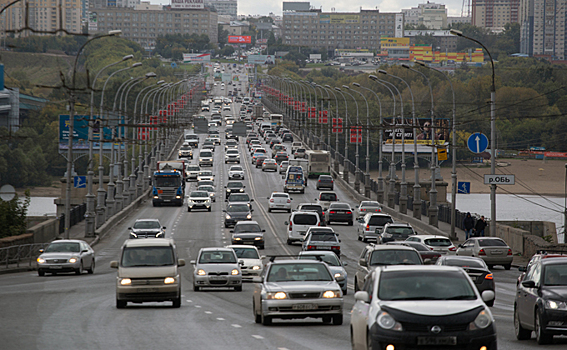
column 249, row 216
column 331, row 294
column 200, row 159
column 211, row 194
column 235, row 272
column 555, row 305
column 40, row 260
column 338, row 275
column 241, row 190
column 208, row 200
column 133, row 234
column 276, row 295
column 237, row 238
column 156, row 197
column 386, row 321
column 258, row 238
column 256, row 267
column 228, row 190
column 481, row 321
column 169, row 280
column 177, row 197
column 125, row 281
column 73, row 260
column 227, row 217
column 201, row 272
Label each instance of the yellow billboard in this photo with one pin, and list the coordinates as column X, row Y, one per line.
column 394, row 42
column 338, row 19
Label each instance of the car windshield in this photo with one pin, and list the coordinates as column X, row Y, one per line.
column 305, row 219
column 206, row 173
column 234, row 185
column 323, row 237
column 147, row 256
column 247, row 228
column 339, row 206
column 185, row 148
column 328, row 197
column 238, row 208
column 147, row 224
column 312, row 208
column 199, row 194
column 298, row 272
column 237, row 197
column 424, row 285
column 419, row 246
column 217, row 257
column 330, row 259
column 380, row 220
column 454, row 261
column 206, row 154
column 366, row 204
column 246, row 253
column 438, row 242
column 71, row 247
column 193, row 168
column 280, row 195
column 170, row 181
column 206, row 188
column 404, row 231
column 491, row 242
column 394, row 257
column 555, row 275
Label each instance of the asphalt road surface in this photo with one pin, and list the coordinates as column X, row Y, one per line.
column 78, row 312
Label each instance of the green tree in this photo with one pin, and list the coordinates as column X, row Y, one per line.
column 13, row 215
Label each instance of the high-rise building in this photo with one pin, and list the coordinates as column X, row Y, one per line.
column 430, row 14
column 43, row 15
column 542, row 28
column 495, row 14
column 339, row 30
column 224, row 7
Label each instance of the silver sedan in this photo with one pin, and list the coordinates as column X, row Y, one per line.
column 270, row 164
column 68, row 255
column 493, row 250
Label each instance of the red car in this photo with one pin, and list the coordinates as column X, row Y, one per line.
column 424, row 251
column 260, row 160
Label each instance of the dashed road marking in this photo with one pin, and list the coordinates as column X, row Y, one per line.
column 257, row 336
column 220, row 318
column 198, row 306
column 189, row 301
column 208, row 312
column 236, row 325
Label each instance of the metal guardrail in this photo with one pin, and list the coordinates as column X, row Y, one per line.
column 19, row 253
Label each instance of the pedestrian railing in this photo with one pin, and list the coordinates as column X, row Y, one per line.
column 17, row 254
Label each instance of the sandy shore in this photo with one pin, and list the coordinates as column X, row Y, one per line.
column 532, row 176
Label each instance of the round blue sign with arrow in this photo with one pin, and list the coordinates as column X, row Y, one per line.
column 477, row 142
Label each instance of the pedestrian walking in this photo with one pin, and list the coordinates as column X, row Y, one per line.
column 480, row 226
column 468, row 224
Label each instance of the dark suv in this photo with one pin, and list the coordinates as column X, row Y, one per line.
column 541, row 301
column 325, row 181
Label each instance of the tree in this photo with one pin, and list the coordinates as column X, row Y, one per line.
column 13, row 215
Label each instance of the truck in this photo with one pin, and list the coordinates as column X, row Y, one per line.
column 178, row 165
column 168, row 187
column 303, row 163
column 257, row 111
column 294, row 179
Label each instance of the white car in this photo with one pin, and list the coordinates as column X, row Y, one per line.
column 230, row 120
column 205, row 175
column 283, row 166
column 248, row 254
column 210, row 189
column 226, row 108
column 215, row 138
column 236, row 173
column 199, row 200
column 232, row 155
column 279, row 201
column 440, row 244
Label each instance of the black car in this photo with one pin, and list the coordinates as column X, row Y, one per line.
column 236, row 212
column 234, row 187
column 241, row 198
column 274, row 142
column 541, row 301
column 339, row 212
column 325, row 181
column 423, row 250
column 280, row 157
column 395, row 232
column 477, row 270
column 287, row 137
column 248, row 232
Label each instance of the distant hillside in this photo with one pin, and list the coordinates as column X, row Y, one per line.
column 26, row 70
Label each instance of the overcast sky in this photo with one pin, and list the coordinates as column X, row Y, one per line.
column 255, row 7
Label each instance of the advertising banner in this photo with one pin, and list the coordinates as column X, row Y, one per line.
column 338, row 19
column 196, row 57
column 442, row 128
column 315, row 56
column 81, row 131
column 239, row 39
column 261, row 59
column 187, row 4
column 356, row 134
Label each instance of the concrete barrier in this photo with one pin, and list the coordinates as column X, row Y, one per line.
column 45, row 231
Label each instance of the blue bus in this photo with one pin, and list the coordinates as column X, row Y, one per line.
column 294, row 179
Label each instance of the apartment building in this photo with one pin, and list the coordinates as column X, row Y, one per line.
column 542, row 29
column 43, row 16
column 430, row 14
column 224, row 7
column 339, row 30
column 144, row 26
column 495, row 14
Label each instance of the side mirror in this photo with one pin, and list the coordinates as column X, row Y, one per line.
column 340, row 278
column 362, row 296
column 487, row 295
column 521, row 268
column 180, row 262
column 252, row 200
column 114, row 264
column 224, row 211
column 460, row 245
column 529, row 284
column 164, row 227
column 267, row 197
column 263, row 230
column 41, row 250
column 286, row 223
column 84, row 251
column 362, row 262
column 226, row 200
column 240, row 262
column 231, row 231
column 345, row 264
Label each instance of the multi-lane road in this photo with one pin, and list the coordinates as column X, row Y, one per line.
column 78, row 312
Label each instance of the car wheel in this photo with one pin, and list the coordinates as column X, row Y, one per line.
column 176, row 303
column 350, row 223
column 41, row 273
column 289, row 210
column 521, row 332
column 120, row 304
column 226, row 226
column 490, row 267
column 327, row 319
column 269, row 210
column 209, row 209
column 195, row 288
column 338, row 320
column 261, row 247
column 288, row 242
column 507, row 266
column 266, row 320
column 79, row 270
column 360, row 239
column 355, row 284
column 91, row 270
column 238, row 288
column 345, row 291
column 541, row 337
column 188, row 209
column 257, row 317
column 369, row 344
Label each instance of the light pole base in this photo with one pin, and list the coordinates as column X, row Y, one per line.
column 433, row 213
column 391, row 200
column 403, row 205
column 417, row 209
column 89, row 224
column 367, row 191
column 380, row 196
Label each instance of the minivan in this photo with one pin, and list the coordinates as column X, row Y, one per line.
column 205, row 158
column 148, row 272
column 298, row 223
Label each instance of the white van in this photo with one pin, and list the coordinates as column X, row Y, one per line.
column 298, row 224
column 205, row 158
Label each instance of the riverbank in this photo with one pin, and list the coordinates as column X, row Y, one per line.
column 43, row 191
column 533, row 176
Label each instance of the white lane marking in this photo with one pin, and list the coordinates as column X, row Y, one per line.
column 257, row 336
column 198, row 306
column 189, row 301
column 236, row 325
column 208, row 312
column 220, row 318
column 283, row 349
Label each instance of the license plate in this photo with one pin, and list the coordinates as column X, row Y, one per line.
column 304, row 307
column 217, row 278
column 167, row 200
column 323, row 248
column 496, row 252
column 56, row 267
column 436, row 340
column 147, row 290
column 279, row 205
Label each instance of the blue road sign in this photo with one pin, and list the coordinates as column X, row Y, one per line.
column 80, row 182
column 464, row 187
column 477, row 142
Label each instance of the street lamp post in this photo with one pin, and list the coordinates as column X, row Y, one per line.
column 90, row 210
column 356, row 154
column 492, row 134
column 367, row 175
column 337, row 133
column 345, row 162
